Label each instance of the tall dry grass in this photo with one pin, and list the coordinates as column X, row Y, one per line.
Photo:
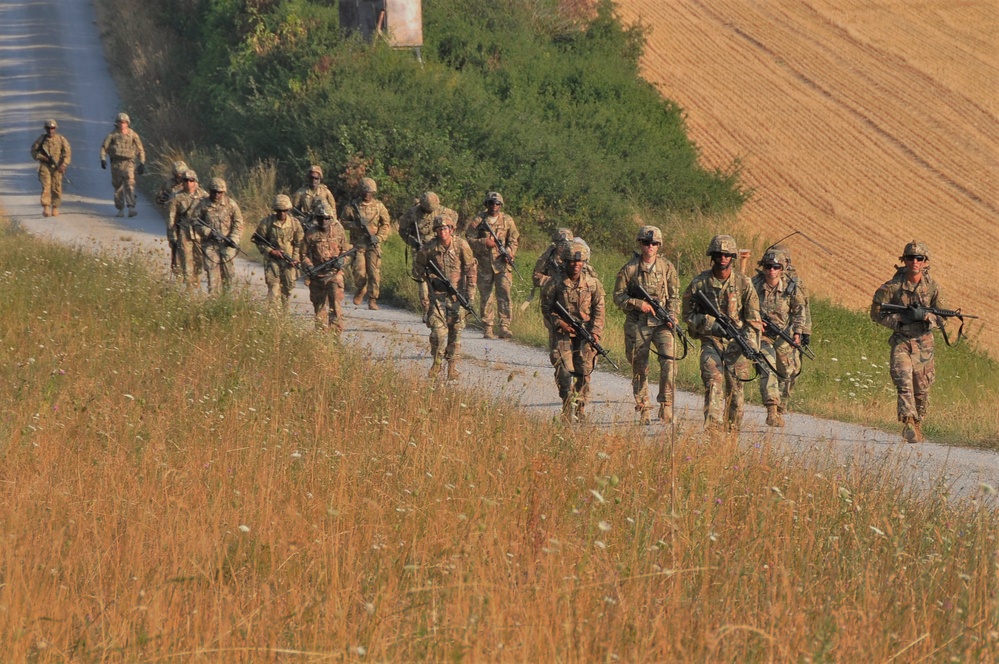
column 185, row 480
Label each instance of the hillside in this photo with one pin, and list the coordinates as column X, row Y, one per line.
column 863, row 124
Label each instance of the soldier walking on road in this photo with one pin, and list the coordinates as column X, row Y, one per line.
column 324, row 242
column 444, row 315
column 911, row 359
column 369, row 224
column 796, row 286
column 124, row 147
column 582, row 296
column 723, row 366
column 184, row 239
column 220, row 214
column 416, row 228
column 495, row 272
column 308, row 198
column 784, row 306
column 284, row 234
column 642, row 330
column 52, row 152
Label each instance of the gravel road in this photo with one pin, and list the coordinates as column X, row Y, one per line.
column 52, row 65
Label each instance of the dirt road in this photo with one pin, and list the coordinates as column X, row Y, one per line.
column 52, row 65
column 863, row 123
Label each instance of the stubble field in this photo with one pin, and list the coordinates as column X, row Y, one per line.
column 863, row 124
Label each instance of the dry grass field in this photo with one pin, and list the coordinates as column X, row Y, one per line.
column 863, row 123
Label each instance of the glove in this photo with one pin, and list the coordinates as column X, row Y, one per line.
column 140, row 169
column 806, row 340
column 914, row 314
column 104, row 164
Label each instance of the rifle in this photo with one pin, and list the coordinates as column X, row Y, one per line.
column 758, row 359
column 373, row 238
column 259, row 240
column 581, row 331
column 52, row 162
column 217, row 236
column 335, row 263
column 943, row 313
column 662, row 313
column 435, row 269
column 500, row 247
column 773, row 330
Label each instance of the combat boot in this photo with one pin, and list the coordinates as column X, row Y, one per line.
column 373, row 304
column 774, row 418
column 55, row 211
column 918, row 426
column 120, row 212
column 666, row 413
column 909, row 430
column 505, row 333
column 435, row 368
column 644, row 415
column 452, row 370
column 487, row 332
column 359, row 296
column 132, row 212
column 45, row 211
column 581, row 412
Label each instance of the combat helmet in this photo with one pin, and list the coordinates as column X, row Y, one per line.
column 368, row 185
column 649, row 234
column 179, row 168
column 493, row 197
column 561, row 235
column 723, row 244
column 429, row 201
column 443, row 221
column 576, row 250
column 914, row 248
column 122, row 117
column 772, row 257
column 51, row 124
column 190, row 175
column 323, row 211
column 217, row 184
column 281, row 203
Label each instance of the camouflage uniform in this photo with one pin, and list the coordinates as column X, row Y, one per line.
column 574, row 359
column 722, row 363
column 795, row 283
column 308, row 198
column 643, row 330
column 444, row 316
column 224, row 216
column 784, row 305
column 174, row 185
column 416, row 228
column 182, row 234
column 911, row 360
column 125, row 150
column 50, row 172
column 286, row 235
column 494, row 272
column 369, row 225
column 326, row 290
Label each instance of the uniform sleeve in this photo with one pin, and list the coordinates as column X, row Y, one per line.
column 797, row 311
column 883, row 296
column 751, row 308
column 36, row 150
column 105, row 145
column 67, row 152
column 672, row 290
column 236, row 232
column 261, row 230
column 472, row 236
column 420, row 266
column 384, row 222
column 304, row 253
column 512, row 237
column 470, row 273
column 599, row 310
column 540, row 267
column 621, row 296
column 296, row 252
column 140, row 151
column 173, row 207
column 548, row 294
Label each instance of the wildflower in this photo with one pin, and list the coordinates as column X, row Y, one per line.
column 596, row 494
column 878, row 531
column 987, row 488
column 604, row 526
column 244, row 529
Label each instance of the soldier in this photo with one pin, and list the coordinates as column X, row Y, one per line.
column 369, row 225
column 455, row 259
column 323, row 242
column 582, row 295
column 174, row 185
column 494, row 270
column 784, row 306
column 181, row 233
column 52, row 152
column 284, row 233
column 220, row 213
column 128, row 157
column 642, row 330
column 794, row 283
column 911, row 343
column 549, row 262
column 309, row 196
column 416, row 228
column 723, row 367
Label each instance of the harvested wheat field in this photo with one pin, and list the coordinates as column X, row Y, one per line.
column 863, row 123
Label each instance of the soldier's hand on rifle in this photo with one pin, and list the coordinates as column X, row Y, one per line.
column 104, row 164
column 425, row 304
column 596, row 337
column 806, row 340
column 915, row 314
column 275, row 254
column 646, row 308
column 490, row 242
column 565, row 327
column 61, row 168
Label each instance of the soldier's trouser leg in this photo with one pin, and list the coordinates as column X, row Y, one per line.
column 913, row 372
column 562, row 359
column 713, row 377
column 272, row 277
column 51, row 180
column 326, row 296
column 487, row 302
column 424, row 290
column 583, row 359
column 636, row 350
column 213, row 266
column 735, row 392
column 189, row 257
column 123, row 181
column 373, row 264
column 789, row 364
column 359, row 270
column 504, row 284
column 227, row 267
column 769, row 383
column 437, row 321
column 455, row 324
column 664, row 343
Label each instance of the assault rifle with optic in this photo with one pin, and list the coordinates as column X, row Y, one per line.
column 261, row 241
column 729, row 330
column 662, row 313
column 217, row 236
column 581, row 331
column 772, row 330
column 943, row 313
column 500, row 247
column 439, row 279
column 332, row 265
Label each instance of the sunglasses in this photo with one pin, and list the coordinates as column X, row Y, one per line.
column 917, row 257
column 650, row 243
column 771, row 266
